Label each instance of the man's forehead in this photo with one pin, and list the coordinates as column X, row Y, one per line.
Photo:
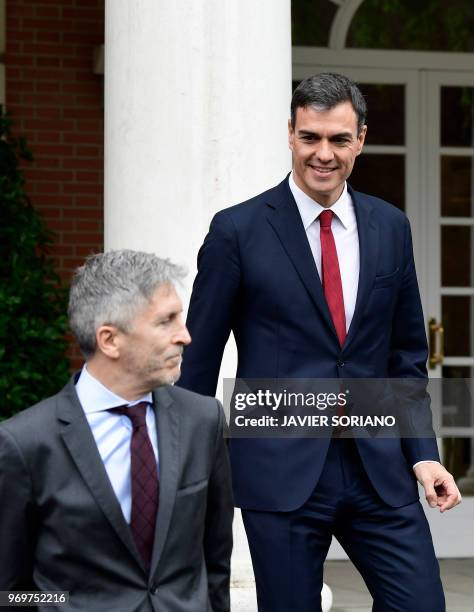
column 342, row 116
column 166, row 291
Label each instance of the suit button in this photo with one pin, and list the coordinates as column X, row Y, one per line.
column 340, row 363
column 154, row 590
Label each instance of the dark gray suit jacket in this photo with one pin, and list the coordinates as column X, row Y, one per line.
column 62, row 527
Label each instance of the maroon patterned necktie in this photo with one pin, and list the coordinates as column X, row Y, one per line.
column 331, row 275
column 145, row 484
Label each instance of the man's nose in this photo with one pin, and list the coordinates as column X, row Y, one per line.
column 324, row 151
column 183, row 336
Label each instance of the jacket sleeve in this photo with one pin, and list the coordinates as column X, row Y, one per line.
column 218, row 528
column 408, row 356
column 212, row 307
column 16, row 517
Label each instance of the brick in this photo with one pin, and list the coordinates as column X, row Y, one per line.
column 48, row 62
column 93, row 101
column 84, row 113
column 45, row 124
column 49, row 37
column 84, row 238
column 49, row 87
column 58, row 201
column 60, row 225
column 48, row 137
column 45, row 49
column 84, row 213
column 81, row 63
column 59, row 149
column 83, row 125
column 13, row 48
column 72, row 262
column 48, row 212
column 92, row 86
column 89, row 151
column 92, row 138
column 46, row 187
column 52, row 99
column 76, row 188
column 84, row 251
column 20, row 86
column 88, row 177
column 50, row 11
column 48, row 162
column 49, row 174
column 19, row 60
column 89, row 164
column 48, row 112
column 18, row 10
column 89, row 201
column 80, row 13
column 94, row 226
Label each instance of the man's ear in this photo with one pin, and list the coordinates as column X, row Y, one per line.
column 107, row 341
column 361, row 139
column 291, row 135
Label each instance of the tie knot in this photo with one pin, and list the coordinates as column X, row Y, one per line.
column 136, row 413
column 325, row 218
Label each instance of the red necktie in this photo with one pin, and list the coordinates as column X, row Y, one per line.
column 331, row 275
column 145, row 484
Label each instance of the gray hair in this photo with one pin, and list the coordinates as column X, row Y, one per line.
column 325, row 91
column 110, row 288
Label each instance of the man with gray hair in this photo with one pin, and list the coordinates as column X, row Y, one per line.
column 117, row 489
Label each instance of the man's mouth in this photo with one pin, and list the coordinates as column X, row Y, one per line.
column 321, row 169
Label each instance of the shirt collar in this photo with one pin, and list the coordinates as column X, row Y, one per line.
column 94, row 397
column 310, row 210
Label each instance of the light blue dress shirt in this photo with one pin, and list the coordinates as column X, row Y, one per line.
column 113, row 433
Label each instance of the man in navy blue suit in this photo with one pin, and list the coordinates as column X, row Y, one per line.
column 318, row 281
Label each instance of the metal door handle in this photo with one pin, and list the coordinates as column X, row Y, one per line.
column 436, row 343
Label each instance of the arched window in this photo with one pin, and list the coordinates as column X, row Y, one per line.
column 428, row 25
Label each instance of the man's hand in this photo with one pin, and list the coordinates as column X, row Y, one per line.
column 439, row 485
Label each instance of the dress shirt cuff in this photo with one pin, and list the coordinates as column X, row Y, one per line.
column 425, row 461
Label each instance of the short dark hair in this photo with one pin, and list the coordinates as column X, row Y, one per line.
column 326, row 90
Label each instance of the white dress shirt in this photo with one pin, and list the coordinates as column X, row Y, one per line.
column 113, row 432
column 346, row 238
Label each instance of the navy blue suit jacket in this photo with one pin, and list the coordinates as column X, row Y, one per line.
column 257, row 277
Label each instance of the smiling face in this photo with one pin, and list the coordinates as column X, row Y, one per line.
column 151, row 349
column 325, row 144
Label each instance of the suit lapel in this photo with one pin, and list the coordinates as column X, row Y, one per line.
column 167, row 419
column 285, row 219
column 368, row 231
column 77, row 435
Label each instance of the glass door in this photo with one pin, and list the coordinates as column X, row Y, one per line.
column 448, row 203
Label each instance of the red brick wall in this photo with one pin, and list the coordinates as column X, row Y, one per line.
column 56, row 101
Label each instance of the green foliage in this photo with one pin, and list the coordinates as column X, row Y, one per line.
column 430, row 25
column 33, row 302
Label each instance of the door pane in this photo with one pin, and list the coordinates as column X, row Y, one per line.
column 456, row 256
column 457, row 454
column 386, row 116
column 456, row 186
column 382, row 176
column 457, row 314
column 456, row 116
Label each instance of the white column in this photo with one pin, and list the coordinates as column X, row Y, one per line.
column 196, row 107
